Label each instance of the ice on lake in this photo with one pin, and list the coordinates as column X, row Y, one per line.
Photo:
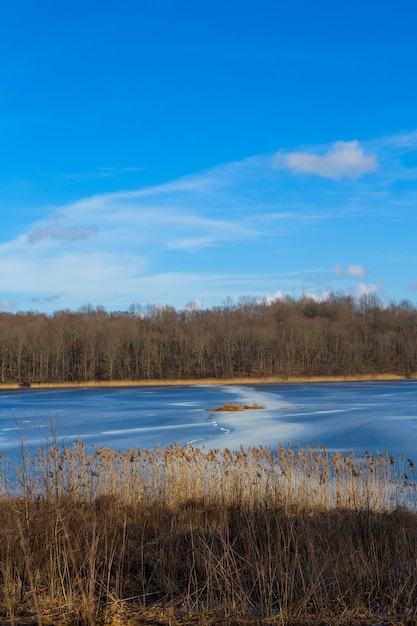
column 373, row 416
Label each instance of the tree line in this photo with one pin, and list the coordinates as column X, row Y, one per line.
column 340, row 336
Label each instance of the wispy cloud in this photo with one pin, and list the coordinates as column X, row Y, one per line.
column 61, row 233
column 101, row 172
column 351, row 271
column 53, row 298
column 247, row 227
column 343, row 159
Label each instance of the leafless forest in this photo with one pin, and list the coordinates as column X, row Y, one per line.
column 338, row 337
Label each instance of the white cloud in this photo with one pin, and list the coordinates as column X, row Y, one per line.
column 366, row 289
column 239, row 228
column 351, row 271
column 272, row 297
column 194, row 305
column 319, row 295
column 343, row 159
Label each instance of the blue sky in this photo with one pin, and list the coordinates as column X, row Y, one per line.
column 170, row 152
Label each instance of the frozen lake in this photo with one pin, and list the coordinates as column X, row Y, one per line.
column 364, row 416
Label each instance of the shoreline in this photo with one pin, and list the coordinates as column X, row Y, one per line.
column 208, row 381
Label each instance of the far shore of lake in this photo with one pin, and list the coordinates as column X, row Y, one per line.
column 206, row 381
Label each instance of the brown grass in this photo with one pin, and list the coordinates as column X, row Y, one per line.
column 209, row 381
column 188, row 536
column 230, row 406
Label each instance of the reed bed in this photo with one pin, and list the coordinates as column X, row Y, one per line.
column 186, row 535
column 209, row 381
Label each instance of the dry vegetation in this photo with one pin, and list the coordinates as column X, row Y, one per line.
column 207, row 381
column 187, row 536
column 231, row 406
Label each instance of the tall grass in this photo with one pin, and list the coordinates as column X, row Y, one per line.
column 212, row 381
column 97, row 536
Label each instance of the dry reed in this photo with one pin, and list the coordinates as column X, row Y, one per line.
column 210, row 381
column 94, row 535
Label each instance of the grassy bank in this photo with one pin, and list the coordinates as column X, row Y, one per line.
column 207, row 381
column 187, row 536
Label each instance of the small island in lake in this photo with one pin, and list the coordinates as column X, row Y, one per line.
column 231, row 406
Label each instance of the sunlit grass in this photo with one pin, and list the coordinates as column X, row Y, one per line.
column 210, row 381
